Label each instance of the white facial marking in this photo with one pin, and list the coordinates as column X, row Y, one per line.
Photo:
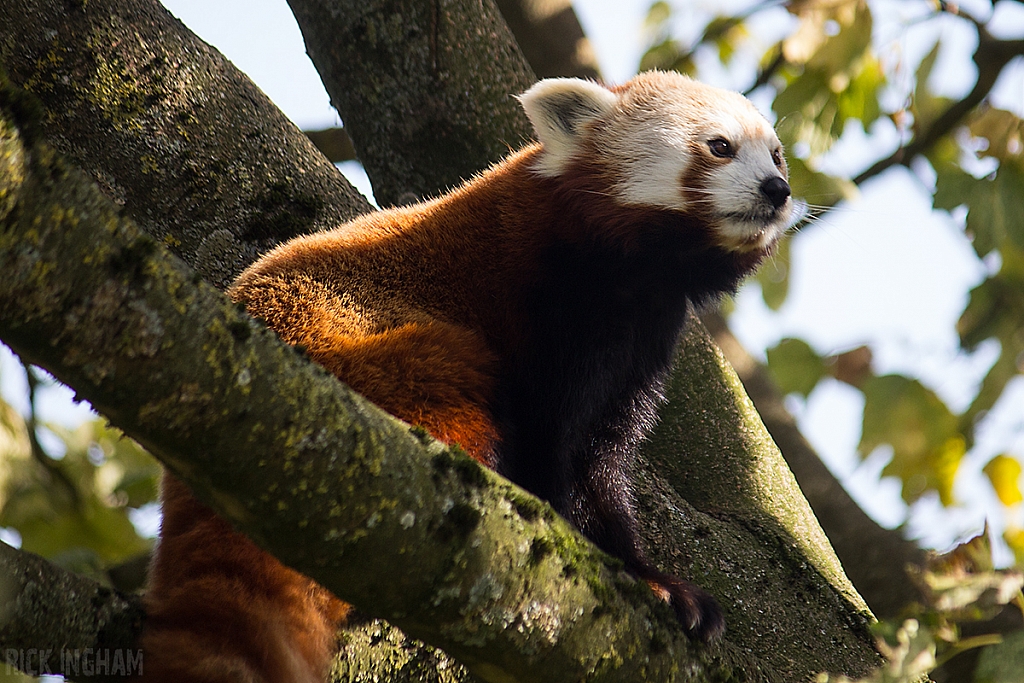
column 677, row 120
column 747, row 217
column 655, row 134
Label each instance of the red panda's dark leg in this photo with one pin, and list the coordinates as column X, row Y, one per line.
column 220, row 609
column 600, row 504
column 602, row 508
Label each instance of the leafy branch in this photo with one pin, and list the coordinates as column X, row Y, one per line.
column 990, row 58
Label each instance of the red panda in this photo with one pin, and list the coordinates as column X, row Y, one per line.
column 529, row 316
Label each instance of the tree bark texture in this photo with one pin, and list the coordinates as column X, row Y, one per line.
column 874, row 558
column 171, row 130
column 435, row 80
column 551, row 38
column 89, row 617
column 689, row 555
column 749, row 534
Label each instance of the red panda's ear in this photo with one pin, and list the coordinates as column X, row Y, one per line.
column 560, row 109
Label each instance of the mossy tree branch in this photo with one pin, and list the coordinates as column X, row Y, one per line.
column 96, row 619
column 875, row 558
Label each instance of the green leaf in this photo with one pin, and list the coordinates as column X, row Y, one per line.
column 806, row 110
column 970, row 595
column 1002, row 663
column 818, row 188
column 665, row 52
column 14, row 449
column 659, row 55
column 924, row 72
column 1004, row 474
column 76, row 510
column 811, row 40
column 996, row 307
column 995, row 212
column 859, row 99
column 845, row 48
column 726, row 33
column 105, row 531
column 795, row 366
column 996, row 311
column 1004, row 132
column 840, row 78
column 659, row 13
column 927, row 444
column 925, row 106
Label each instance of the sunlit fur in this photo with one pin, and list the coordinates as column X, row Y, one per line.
column 530, row 316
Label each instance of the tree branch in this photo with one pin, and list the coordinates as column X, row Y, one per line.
column 874, row 558
column 435, row 80
column 668, row 538
column 551, row 38
column 35, row 631
column 171, row 130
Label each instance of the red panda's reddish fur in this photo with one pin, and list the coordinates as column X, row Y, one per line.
column 217, row 604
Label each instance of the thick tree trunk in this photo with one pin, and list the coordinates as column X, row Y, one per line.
column 432, row 79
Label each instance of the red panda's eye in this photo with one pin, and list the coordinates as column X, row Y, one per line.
column 777, row 157
column 720, row 147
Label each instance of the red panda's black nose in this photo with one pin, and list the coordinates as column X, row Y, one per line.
column 776, row 190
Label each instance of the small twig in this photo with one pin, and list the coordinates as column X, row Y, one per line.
column 38, row 453
column 968, row 644
column 778, row 61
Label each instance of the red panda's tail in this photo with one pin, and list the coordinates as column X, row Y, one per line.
column 220, row 609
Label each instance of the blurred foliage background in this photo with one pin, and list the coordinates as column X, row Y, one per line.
column 826, row 77
column 70, row 494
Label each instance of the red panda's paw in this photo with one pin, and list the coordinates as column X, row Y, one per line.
column 696, row 610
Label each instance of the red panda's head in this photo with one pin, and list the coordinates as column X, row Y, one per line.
column 665, row 141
